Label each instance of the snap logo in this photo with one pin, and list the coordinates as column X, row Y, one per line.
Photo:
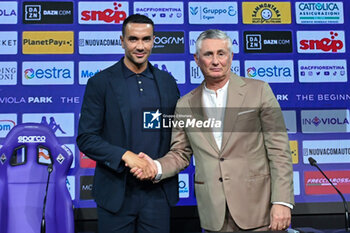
column 321, row 41
column 325, row 44
column 102, row 12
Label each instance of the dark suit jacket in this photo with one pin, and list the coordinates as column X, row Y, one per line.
column 104, row 132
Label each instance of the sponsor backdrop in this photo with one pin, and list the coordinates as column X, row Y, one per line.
column 49, row 49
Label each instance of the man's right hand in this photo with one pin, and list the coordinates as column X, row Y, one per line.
column 145, row 167
column 139, row 173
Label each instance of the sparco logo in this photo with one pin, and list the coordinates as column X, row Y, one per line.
column 31, row 139
column 333, row 43
column 102, row 12
column 169, row 42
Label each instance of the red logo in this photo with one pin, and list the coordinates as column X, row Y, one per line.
column 316, row 183
column 85, row 162
column 325, row 44
column 108, row 15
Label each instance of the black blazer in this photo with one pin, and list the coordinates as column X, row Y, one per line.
column 104, row 132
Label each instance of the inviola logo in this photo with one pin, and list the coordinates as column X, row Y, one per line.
column 101, row 12
column 321, row 41
column 325, row 121
column 29, row 73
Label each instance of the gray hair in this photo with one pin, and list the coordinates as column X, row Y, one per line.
column 212, row 34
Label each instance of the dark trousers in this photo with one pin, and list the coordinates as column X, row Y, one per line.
column 145, row 210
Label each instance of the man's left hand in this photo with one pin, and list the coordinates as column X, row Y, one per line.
column 280, row 217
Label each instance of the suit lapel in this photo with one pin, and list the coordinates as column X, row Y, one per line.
column 199, row 114
column 235, row 96
column 163, row 95
column 162, row 89
column 120, row 89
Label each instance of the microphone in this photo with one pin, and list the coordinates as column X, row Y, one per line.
column 313, row 163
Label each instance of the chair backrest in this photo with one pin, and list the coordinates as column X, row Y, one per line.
column 24, row 157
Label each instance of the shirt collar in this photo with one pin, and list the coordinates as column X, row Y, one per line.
column 128, row 73
column 209, row 91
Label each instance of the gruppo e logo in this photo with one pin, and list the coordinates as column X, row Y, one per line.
column 194, row 10
column 213, row 12
column 101, row 12
column 321, row 42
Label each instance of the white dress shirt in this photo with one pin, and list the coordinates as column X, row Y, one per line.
column 214, row 103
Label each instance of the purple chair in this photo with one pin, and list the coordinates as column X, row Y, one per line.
column 25, row 156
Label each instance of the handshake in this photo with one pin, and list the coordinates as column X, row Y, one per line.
column 141, row 165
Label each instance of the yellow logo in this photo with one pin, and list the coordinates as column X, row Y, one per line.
column 266, row 13
column 48, row 42
column 294, row 151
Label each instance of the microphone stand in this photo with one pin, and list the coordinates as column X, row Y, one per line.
column 43, row 223
column 314, row 163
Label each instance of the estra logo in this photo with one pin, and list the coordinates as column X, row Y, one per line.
column 103, row 12
column 316, row 184
column 48, row 73
column 321, row 41
column 271, row 71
